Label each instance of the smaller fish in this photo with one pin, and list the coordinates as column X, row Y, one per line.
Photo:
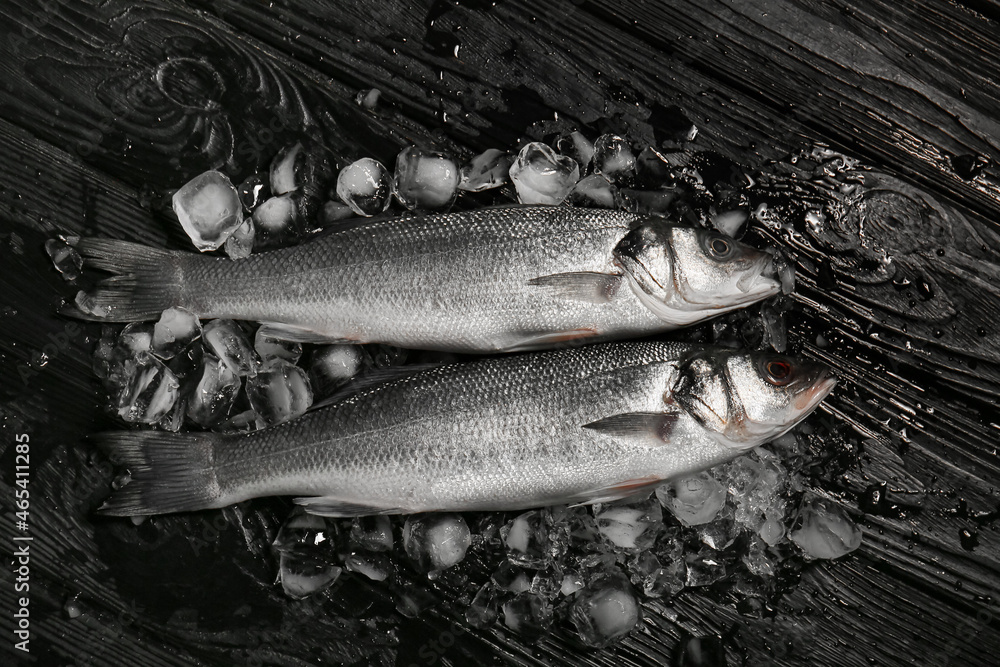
column 501, row 433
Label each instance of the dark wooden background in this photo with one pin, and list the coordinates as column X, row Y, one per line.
column 106, row 105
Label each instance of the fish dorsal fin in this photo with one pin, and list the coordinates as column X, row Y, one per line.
column 587, row 286
column 649, row 427
column 336, row 507
column 371, row 379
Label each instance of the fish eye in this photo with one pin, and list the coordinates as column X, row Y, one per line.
column 718, row 247
column 778, row 372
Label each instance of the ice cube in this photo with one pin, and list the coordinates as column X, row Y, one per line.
column 375, row 566
column 228, row 342
column 693, row 500
column 509, row 577
column 240, row 244
column 436, row 541
column 822, row 529
column 425, row 179
column 333, row 365
column 209, row 209
column 528, row 615
column 571, row 583
column 285, row 166
column 482, row 611
column 373, row 533
column 729, row 222
column 490, row 169
column 245, row 421
column 302, row 530
column 578, row 147
column 722, row 531
column 528, row 539
column 137, row 337
column 368, row 99
column 613, row 157
column 757, row 559
column 385, row 356
column 646, row 202
column 542, row 176
column 149, row 390
column 656, row 580
column 772, row 530
column 302, row 575
column 270, row 348
column 276, row 218
column 605, row 610
column 173, row 420
column 594, row 191
column 775, row 331
column 630, row 524
column 174, row 331
column 365, row 186
column 72, row 607
column 652, row 169
column 279, row 392
column 412, row 599
column 213, row 396
column 65, row 258
column 756, row 480
column 704, row 567
column 333, row 212
column 253, row 190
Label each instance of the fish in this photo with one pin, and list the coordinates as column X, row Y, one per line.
column 493, row 280
column 575, row 425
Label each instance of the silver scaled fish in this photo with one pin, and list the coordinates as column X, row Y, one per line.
column 576, row 425
column 491, row 280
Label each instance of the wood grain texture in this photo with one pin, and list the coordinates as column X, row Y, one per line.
column 106, row 106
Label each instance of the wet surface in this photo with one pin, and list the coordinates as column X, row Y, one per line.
column 107, row 109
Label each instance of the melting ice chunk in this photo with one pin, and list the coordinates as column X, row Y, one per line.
column 701, row 651
column 302, row 575
column 174, row 331
column 375, row 566
column 306, row 555
column 254, row 190
column 656, row 580
column 436, row 541
column 578, row 147
column 284, row 170
column 228, row 342
column 729, row 222
column 209, row 209
column 630, row 524
column 528, row 615
column 365, row 186
column 528, row 539
column 276, row 217
column 705, row 567
column 823, row 529
column 270, row 348
column 149, row 392
column 240, row 243
column 333, row 365
column 605, row 610
column 214, row 394
column 646, row 202
column 65, row 258
column 279, row 392
column 693, row 500
column 571, row 583
column 482, row 611
column 722, row 531
column 333, row 212
column 368, row 99
column 652, row 169
column 425, row 179
column 613, row 157
column 594, row 191
column 542, row 176
column 511, row 578
column 373, row 533
column 487, row 170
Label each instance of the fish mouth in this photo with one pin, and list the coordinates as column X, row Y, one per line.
column 821, row 387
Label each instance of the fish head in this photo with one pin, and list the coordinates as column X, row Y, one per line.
column 675, row 269
column 747, row 399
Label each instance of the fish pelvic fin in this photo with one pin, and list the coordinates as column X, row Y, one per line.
column 297, row 334
column 652, row 428
column 541, row 341
column 338, row 508
column 145, row 281
column 162, row 472
column 587, row 286
column 617, row 491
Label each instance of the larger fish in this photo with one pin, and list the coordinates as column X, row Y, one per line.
column 491, row 280
column 502, row 433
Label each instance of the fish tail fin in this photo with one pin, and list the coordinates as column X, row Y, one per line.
column 166, row 472
column 146, row 281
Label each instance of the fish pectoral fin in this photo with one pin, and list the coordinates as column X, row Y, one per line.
column 542, row 341
column 589, row 286
column 650, row 427
column 297, row 334
column 616, row 491
column 339, row 508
